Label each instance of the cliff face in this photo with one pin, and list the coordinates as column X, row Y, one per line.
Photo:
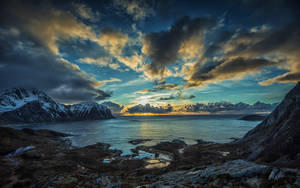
column 21, row 105
column 277, row 138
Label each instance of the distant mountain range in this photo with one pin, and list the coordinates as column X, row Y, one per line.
column 217, row 107
column 20, row 105
column 227, row 107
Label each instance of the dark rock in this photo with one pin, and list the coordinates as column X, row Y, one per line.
column 277, row 139
column 202, row 142
column 52, row 163
column 234, row 138
column 12, row 139
column 171, row 147
column 253, row 117
column 236, row 173
column 139, row 141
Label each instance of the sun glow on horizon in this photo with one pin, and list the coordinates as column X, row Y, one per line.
column 166, row 114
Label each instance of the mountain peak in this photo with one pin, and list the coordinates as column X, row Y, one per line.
column 295, row 92
column 22, row 91
column 114, row 107
column 90, row 110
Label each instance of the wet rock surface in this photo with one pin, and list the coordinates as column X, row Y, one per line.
column 139, row 141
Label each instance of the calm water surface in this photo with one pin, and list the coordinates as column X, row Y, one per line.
column 117, row 132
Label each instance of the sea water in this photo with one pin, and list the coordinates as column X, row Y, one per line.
column 119, row 131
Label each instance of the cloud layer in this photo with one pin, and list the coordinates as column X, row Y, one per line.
column 248, row 52
column 71, row 49
column 29, row 55
column 184, row 38
column 224, row 70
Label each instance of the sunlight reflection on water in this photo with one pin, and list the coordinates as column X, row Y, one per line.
column 154, row 163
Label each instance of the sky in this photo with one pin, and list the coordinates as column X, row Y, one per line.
column 157, row 52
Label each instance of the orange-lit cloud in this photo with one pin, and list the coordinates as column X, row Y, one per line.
column 138, row 9
column 285, row 78
column 232, row 69
column 103, row 82
column 48, row 24
column 239, row 53
column 86, row 12
column 113, row 41
column 101, row 61
column 183, row 39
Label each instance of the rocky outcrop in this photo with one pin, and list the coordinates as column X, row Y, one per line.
column 20, row 105
column 253, row 117
column 139, row 141
column 277, row 138
column 32, row 158
column 237, row 173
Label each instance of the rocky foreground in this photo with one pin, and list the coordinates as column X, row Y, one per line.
column 43, row 158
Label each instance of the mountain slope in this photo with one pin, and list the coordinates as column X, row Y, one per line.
column 114, row 107
column 17, row 97
column 19, row 105
column 90, row 111
column 277, row 138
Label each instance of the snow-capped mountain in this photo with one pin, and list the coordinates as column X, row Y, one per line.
column 147, row 108
column 114, row 107
column 17, row 97
column 19, row 105
column 90, row 110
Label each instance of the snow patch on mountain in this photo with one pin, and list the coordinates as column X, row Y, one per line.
column 114, row 107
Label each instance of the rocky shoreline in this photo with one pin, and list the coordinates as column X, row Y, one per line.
column 253, row 117
column 51, row 161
